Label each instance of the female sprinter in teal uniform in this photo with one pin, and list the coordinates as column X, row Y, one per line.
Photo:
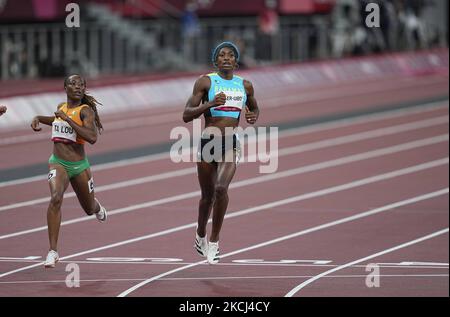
column 74, row 122
column 221, row 97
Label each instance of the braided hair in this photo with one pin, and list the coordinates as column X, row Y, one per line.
column 92, row 103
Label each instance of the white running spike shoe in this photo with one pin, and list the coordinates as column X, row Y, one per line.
column 213, row 252
column 101, row 214
column 52, row 258
column 201, row 245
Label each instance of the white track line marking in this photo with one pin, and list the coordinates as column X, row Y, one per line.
column 264, row 178
column 208, row 278
column 423, row 108
column 322, row 192
column 236, row 264
column 282, row 152
column 297, row 234
column 398, row 247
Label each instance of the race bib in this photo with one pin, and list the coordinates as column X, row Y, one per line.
column 234, row 101
column 62, row 130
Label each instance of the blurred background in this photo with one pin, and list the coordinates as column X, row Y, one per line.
column 353, row 105
column 146, row 36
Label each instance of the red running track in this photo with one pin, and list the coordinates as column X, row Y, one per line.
column 371, row 190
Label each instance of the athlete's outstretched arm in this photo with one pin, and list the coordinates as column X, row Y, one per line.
column 47, row 120
column 41, row 119
column 252, row 110
column 88, row 131
column 193, row 107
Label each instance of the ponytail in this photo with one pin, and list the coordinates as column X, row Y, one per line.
column 92, row 103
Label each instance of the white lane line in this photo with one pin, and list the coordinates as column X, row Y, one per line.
column 208, row 278
column 423, row 108
column 293, row 291
column 296, row 234
column 264, row 178
column 283, row 152
column 322, row 192
column 402, row 268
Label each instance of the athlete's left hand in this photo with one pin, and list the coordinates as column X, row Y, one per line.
column 61, row 115
column 250, row 116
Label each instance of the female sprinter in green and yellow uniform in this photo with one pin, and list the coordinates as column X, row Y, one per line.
column 75, row 122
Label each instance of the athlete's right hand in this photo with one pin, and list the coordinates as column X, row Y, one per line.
column 35, row 124
column 219, row 99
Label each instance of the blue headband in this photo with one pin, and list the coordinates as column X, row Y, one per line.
column 222, row 45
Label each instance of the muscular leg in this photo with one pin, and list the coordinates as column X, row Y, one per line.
column 225, row 173
column 207, row 174
column 58, row 185
column 85, row 195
